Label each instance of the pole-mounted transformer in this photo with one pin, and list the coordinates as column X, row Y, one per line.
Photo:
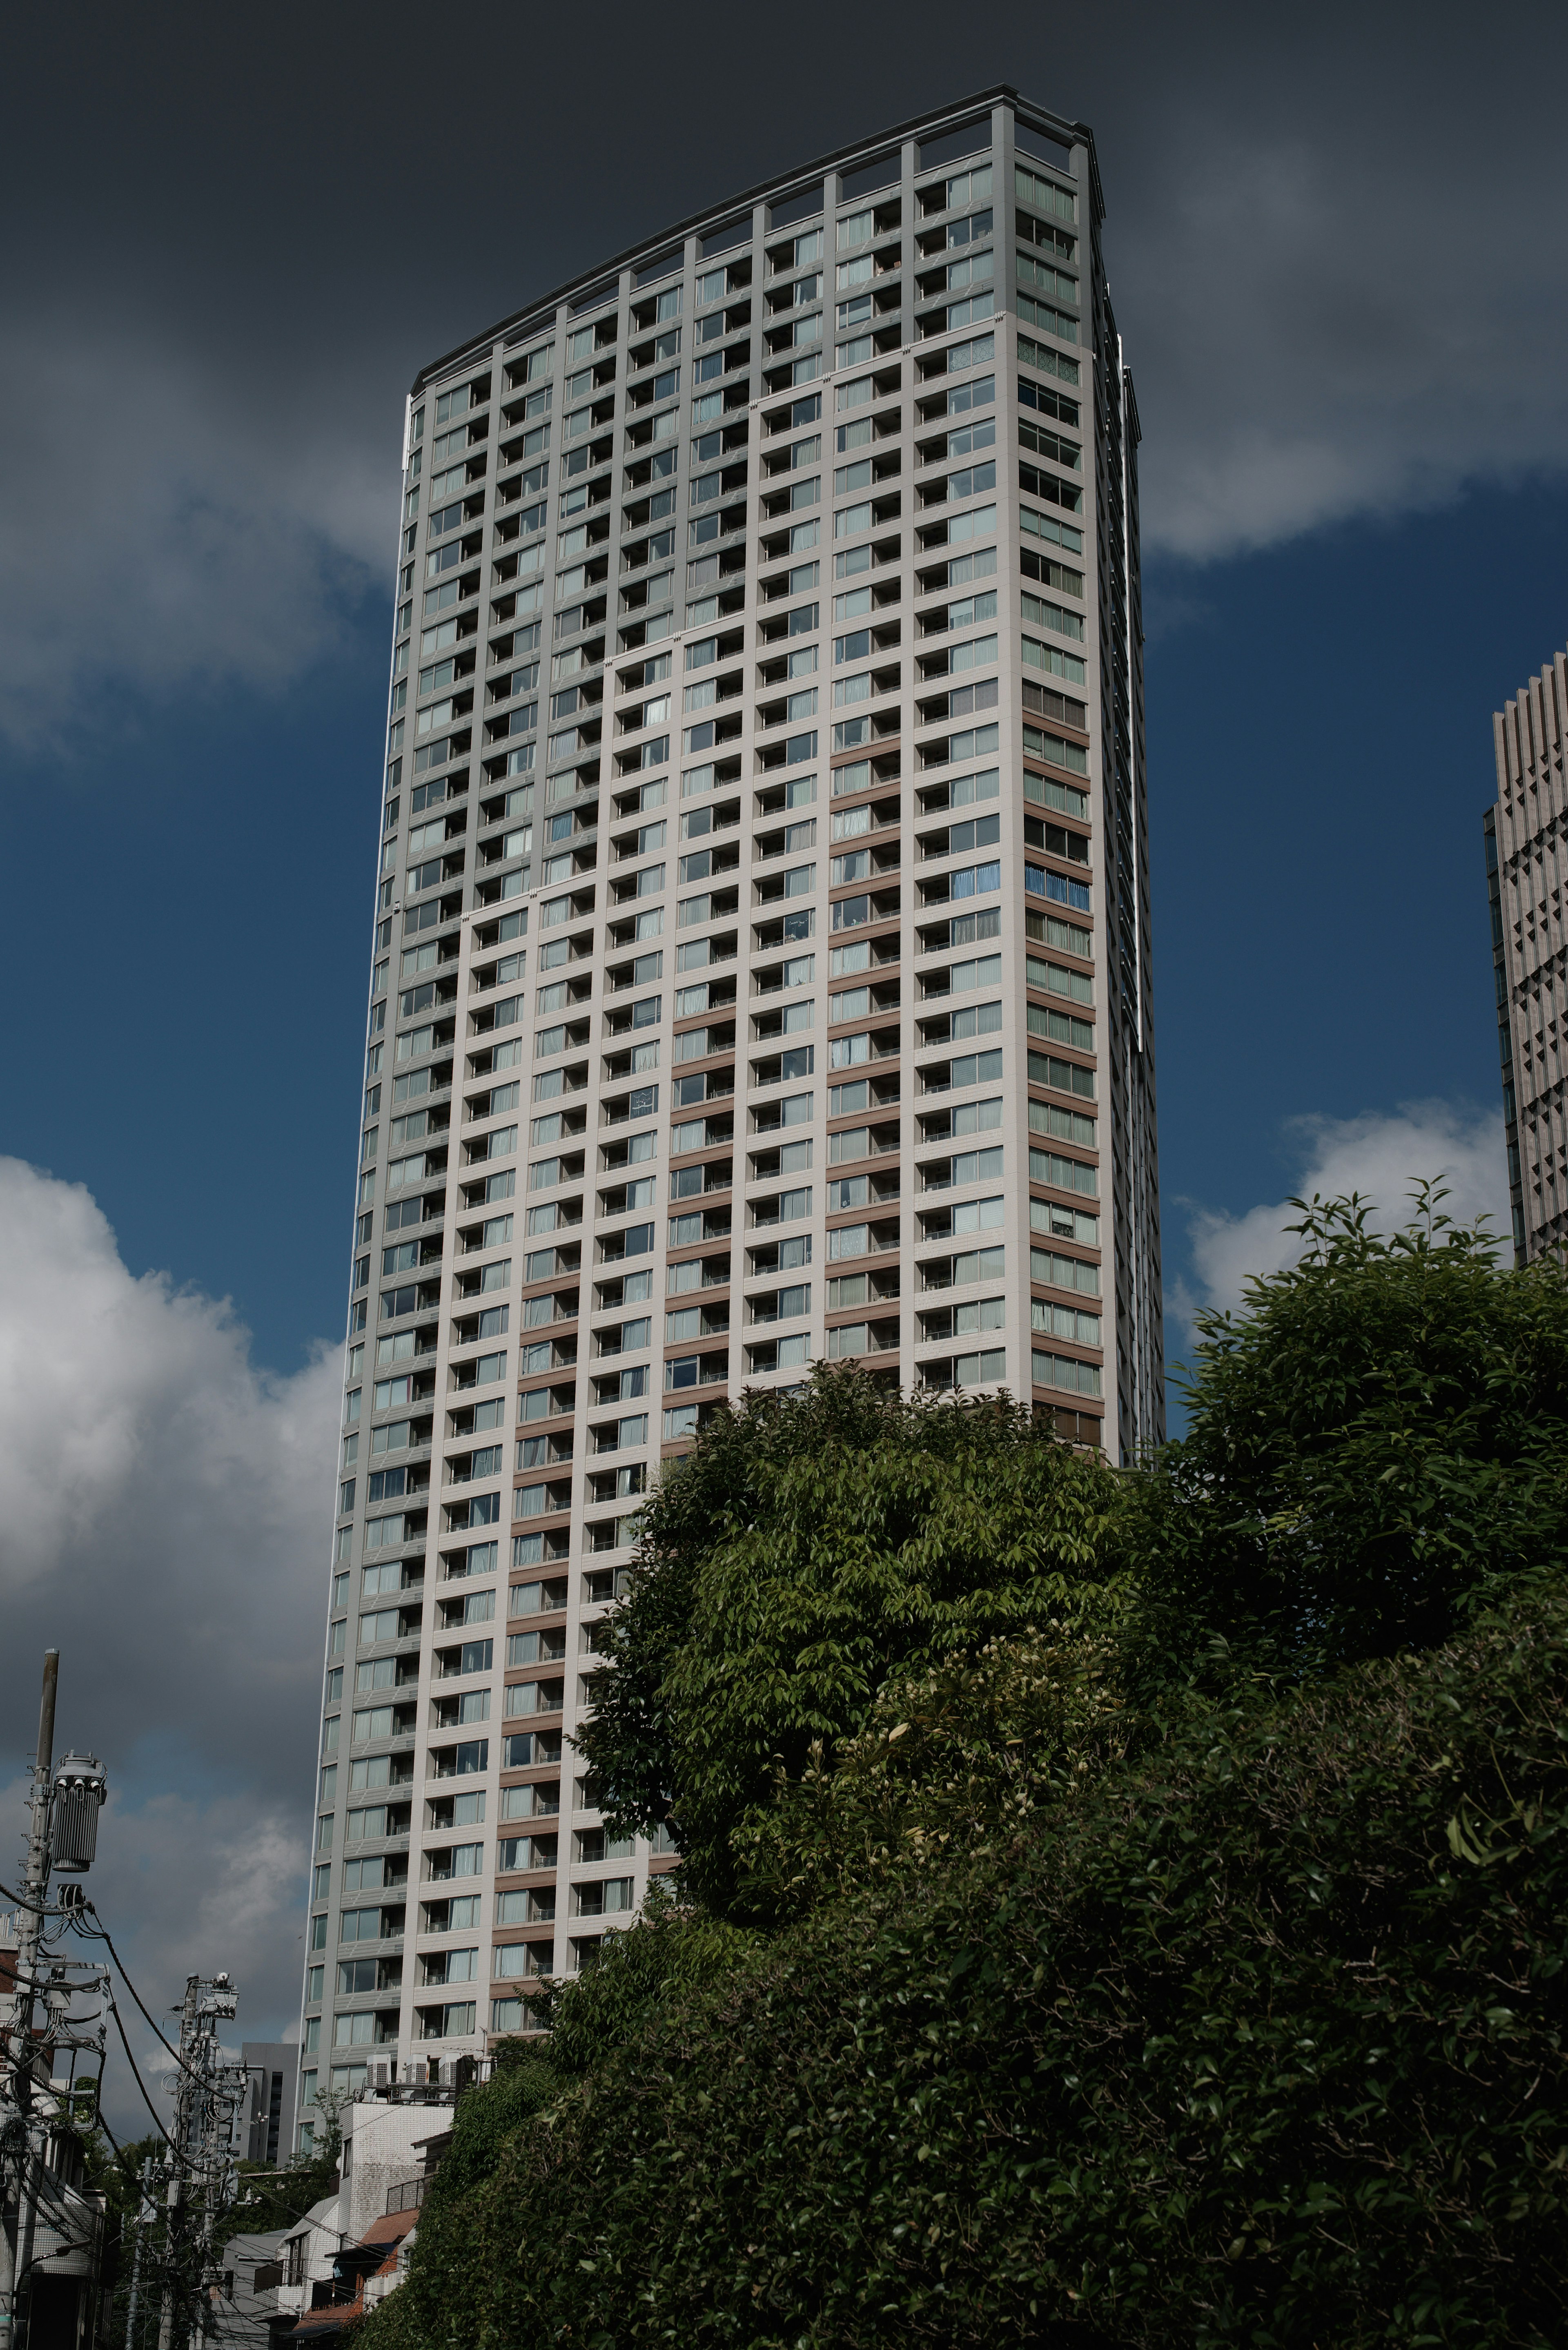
column 81, row 1788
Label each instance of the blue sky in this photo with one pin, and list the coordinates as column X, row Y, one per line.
column 1340, row 263
column 189, row 986
column 1321, row 755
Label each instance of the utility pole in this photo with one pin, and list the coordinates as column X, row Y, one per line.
column 174, row 2163
column 17, row 2234
column 207, row 2094
column 223, row 2090
column 62, row 1834
column 143, row 2221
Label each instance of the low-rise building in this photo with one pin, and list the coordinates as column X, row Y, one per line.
column 348, row 2251
column 63, row 2300
column 362, row 2274
column 244, row 2308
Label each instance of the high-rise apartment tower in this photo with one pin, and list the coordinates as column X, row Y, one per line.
column 761, row 970
column 1527, row 873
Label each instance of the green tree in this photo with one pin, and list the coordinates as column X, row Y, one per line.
column 802, row 1555
column 265, row 2199
column 949, row 1760
column 1372, row 1444
column 115, row 2172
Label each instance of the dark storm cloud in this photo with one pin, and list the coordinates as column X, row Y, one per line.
column 1336, row 242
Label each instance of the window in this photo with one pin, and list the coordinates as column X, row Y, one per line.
column 364, row 1925
column 599, row 1900
column 595, row 1844
column 961, row 1321
column 451, row 1965
column 961, row 188
column 449, row 2022
column 1047, row 361
column 1051, row 1321
column 1043, row 195
column 1045, row 614
column 1064, row 1371
column 1065, row 1174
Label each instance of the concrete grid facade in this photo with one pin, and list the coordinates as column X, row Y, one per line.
column 761, row 972
column 1527, row 870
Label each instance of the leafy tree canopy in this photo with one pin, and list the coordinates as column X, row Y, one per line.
column 1371, row 1444
column 803, row 1554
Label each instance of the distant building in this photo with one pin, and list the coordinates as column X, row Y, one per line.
column 1527, row 868
column 265, row 2124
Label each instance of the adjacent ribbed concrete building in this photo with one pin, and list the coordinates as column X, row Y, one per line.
column 1527, row 870
column 760, row 972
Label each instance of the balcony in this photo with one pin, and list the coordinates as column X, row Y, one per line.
column 707, row 1224
column 877, row 1244
column 696, row 1370
column 857, row 1338
column 853, row 1144
column 764, row 1311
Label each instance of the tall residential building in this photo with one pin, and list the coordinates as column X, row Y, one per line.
column 1527, row 873
column 761, row 970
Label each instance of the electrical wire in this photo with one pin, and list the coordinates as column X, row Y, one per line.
column 120, row 2150
column 100, row 1933
column 141, row 2084
column 295, row 2211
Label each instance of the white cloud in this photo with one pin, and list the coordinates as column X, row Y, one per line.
column 1378, row 1155
column 167, row 1509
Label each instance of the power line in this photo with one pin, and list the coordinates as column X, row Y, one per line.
column 101, row 2123
column 140, row 2083
column 100, row 1933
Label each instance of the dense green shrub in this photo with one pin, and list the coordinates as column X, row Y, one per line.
column 1258, row 2041
column 1126, row 1911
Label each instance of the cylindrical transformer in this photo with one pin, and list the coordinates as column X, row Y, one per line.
column 81, row 1786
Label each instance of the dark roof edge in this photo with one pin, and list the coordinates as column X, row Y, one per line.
column 1078, row 133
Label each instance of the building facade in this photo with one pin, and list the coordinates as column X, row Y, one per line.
column 760, row 972
column 264, row 2123
column 1527, row 866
